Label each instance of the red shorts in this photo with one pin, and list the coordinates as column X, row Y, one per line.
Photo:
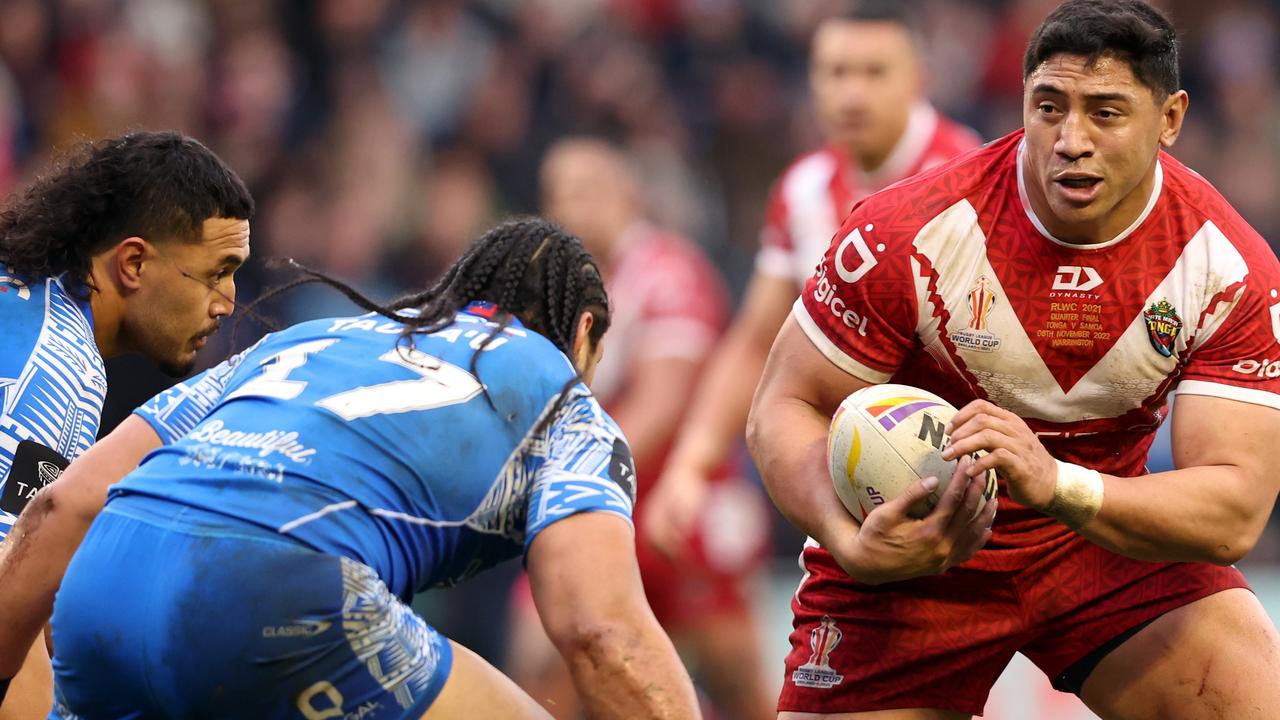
column 940, row 642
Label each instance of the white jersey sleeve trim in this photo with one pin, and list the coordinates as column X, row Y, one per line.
column 1229, row 392
column 838, row 357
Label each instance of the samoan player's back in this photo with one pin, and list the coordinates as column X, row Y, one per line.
column 337, row 435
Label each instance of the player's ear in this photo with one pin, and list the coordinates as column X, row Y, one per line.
column 128, row 259
column 1173, row 111
column 582, row 349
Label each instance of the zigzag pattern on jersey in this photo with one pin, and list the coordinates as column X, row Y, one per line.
column 401, row 652
column 572, row 444
column 57, row 398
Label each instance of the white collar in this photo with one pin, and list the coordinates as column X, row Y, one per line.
column 1156, row 187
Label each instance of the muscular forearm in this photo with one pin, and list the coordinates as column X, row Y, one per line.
column 33, row 559
column 787, row 439
column 1192, row 514
column 630, row 670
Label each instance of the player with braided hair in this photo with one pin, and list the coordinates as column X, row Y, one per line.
column 315, row 482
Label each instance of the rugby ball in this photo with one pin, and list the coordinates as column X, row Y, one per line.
column 882, row 439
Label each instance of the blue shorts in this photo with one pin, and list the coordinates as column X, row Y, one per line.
column 167, row 611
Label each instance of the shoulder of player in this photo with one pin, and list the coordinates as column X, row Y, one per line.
column 908, row 205
column 23, row 309
column 1200, row 202
column 809, row 173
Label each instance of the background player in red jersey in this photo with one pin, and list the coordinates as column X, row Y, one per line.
column 867, row 81
column 670, row 306
column 1108, row 274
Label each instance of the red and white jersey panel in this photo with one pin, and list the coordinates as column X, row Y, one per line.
column 948, row 282
column 816, row 193
column 667, row 299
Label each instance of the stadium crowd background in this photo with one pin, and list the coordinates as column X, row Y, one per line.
column 380, row 136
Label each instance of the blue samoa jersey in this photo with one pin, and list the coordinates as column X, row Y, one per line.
column 346, row 438
column 52, row 380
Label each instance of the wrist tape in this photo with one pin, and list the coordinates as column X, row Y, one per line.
column 1077, row 495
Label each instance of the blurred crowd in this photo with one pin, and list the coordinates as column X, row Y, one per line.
column 379, row 136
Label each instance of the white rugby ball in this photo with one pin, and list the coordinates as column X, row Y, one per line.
column 882, row 439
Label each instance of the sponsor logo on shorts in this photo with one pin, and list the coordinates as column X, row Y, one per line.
column 313, row 700
column 977, row 336
column 817, row 672
column 1163, row 326
column 300, row 628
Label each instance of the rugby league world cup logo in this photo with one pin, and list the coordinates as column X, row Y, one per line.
column 982, row 299
column 817, row 672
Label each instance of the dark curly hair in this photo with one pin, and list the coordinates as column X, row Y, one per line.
column 1132, row 30
column 154, row 185
column 526, row 266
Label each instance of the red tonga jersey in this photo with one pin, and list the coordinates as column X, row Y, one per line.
column 949, row 282
column 668, row 301
column 816, row 193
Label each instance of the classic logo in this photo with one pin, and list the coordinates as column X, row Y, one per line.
column 1076, row 278
column 976, row 336
column 1163, row 326
column 299, row 628
column 817, row 672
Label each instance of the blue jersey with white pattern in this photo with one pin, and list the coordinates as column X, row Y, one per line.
column 52, row 380
column 337, row 434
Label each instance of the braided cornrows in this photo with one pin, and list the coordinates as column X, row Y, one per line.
column 527, row 267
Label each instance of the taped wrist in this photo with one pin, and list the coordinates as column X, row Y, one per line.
column 1077, row 495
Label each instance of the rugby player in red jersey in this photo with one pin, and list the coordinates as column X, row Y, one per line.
column 867, row 81
column 1056, row 286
